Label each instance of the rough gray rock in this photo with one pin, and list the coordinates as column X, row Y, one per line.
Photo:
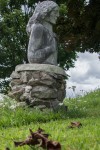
column 52, row 69
column 15, row 75
column 15, row 82
column 40, row 84
column 43, row 92
column 42, row 47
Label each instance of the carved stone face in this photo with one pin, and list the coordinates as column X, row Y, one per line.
column 53, row 16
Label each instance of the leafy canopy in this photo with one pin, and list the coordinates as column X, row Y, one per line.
column 78, row 30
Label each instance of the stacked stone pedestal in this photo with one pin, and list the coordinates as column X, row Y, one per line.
column 39, row 85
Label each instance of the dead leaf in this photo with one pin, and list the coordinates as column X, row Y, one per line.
column 53, row 145
column 75, row 124
column 40, row 139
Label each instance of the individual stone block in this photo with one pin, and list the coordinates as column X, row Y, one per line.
column 15, row 82
column 52, row 69
column 15, row 75
column 18, row 87
column 43, row 92
column 61, row 94
column 25, row 76
column 33, row 82
column 16, row 95
column 40, row 102
column 36, row 74
column 26, row 95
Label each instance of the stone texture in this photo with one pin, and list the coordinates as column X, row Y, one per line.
column 15, row 82
column 42, row 47
column 15, row 75
column 41, row 67
column 39, row 83
column 38, row 87
column 16, row 95
column 43, row 92
column 25, row 76
column 18, row 87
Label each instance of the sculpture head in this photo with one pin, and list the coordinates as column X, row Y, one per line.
column 48, row 11
column 44, row 11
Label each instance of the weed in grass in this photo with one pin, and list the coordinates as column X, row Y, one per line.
column 86, row 106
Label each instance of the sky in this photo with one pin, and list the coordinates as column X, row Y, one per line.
column 85, row 76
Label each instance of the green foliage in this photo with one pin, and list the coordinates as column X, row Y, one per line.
column 79, row 25
column 4, row 86
column 62, row 55
column 14, row 16
column 13, row 37
column 13, row 41
column 77, row 28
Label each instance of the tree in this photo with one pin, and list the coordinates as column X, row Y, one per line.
column 14, row 15
column 13, row 37
column 78, row 29
column 80, row 25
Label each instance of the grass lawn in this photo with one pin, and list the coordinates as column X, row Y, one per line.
column 14, row 125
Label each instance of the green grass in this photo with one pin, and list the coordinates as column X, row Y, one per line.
column 14, row 125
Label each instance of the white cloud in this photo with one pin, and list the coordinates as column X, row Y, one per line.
column 86, row 74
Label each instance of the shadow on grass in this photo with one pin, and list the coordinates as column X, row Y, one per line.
column 25, row 116
column 72, row 113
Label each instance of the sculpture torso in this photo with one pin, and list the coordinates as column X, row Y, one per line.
column 42, row 46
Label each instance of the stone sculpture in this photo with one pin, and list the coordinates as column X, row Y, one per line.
column 42, row 47
column 41, row 83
